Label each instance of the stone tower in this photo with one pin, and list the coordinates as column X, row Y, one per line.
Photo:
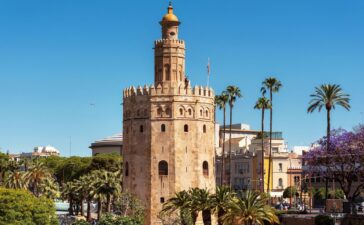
column 168, row 128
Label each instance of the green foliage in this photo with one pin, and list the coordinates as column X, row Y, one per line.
column 128, row 205
column 109, row 219
column 290, row 192
column 109, row 162
column 72, row 168
column 319, row 194
column 250, row 209
column 4, row 160
column 323, row 220
column 80, row 222
column 18, row 207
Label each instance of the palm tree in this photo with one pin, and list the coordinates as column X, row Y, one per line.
column 272, row 85
column 233, row 92
column 328, row 96
column 49, row 188
column 263, row 103
column 68, row 192
column 219, row 201
column 107, row 185
column 221, row 101
column 88, row 188
column 181, row 201
column 15, row 180
column 249, row 210
column 202, row 202
column 36, row 175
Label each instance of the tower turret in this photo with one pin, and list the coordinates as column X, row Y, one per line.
column 169, row 52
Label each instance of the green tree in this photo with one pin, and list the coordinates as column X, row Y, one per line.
column 328, row 96
column 73, row 168
column 249, row 210
column 271, row 85
column 109, row 162
column 108, row 186
column 21, row 207
column 15, row 180
column 234, row 93
column 290, row 192
column 262, row 104
column 180, row 202
column 68, row 193
column 221, row 101
column 200, row 201
column 110, row 219
column 36, row 177
column 4, row 162
column 127, row 205
column 219, row 200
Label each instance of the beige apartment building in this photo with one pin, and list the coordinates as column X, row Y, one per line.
column 246, row 147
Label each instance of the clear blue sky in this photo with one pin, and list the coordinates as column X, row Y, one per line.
column 57, row 57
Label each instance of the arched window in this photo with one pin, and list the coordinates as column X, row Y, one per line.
column 163, row 168
column 190, row 112
column 145, row 112
column 207, row 113
column 186, row 128
column 201, row 113
column 280, row 182
column 205, row 168
column 181, row 111
column 163, row 128
column 204, row 128
column 159, row 111
column 138, row 112
column 141, row 128
column 126, row 169
column 168, row 111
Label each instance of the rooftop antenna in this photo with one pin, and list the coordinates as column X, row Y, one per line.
column 170, row 2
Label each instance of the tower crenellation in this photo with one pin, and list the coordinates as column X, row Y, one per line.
column 197, row 91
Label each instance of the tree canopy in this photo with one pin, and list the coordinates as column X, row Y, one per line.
column 21, row 207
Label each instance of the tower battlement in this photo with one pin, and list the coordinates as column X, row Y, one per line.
column 165, row 90
column 166, row 42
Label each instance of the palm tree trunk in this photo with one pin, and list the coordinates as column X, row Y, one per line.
column 328, row 131
column 88, row 210
column 220, row 214
column 270, row 140
column 99, row 208
column 82, row 208
column 206, row 216
column 108, row 203
column 262, row 159
column 194, row 217
column 231, row 121
column 223, row 151
column 70, row 209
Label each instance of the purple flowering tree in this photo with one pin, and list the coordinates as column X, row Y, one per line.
column 344, row 163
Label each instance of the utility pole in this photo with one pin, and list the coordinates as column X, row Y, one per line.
column 70, row 146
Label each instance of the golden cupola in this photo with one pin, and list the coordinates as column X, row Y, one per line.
column 170, row 24
column 170, row 17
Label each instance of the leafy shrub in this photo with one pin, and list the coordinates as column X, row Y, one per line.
column 80, row 222
column 21, row 207
column 109, row 219
column 323, row 220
